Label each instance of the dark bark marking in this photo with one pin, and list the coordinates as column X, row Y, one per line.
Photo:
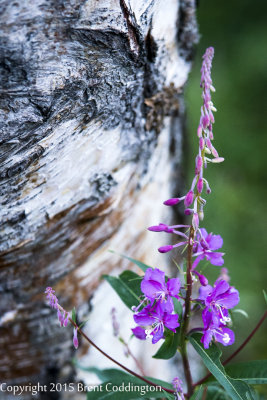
column 164, row 103
column 151, row 46
column 22, row 164
column 136, row 44
column 187, row 29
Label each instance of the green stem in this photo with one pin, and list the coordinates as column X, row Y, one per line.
column 186, row 320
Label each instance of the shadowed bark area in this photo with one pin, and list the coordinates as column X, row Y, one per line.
column 91, row 114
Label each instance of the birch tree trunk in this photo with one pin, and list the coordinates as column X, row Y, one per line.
column 91, row 142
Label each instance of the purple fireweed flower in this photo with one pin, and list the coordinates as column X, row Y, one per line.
column 155, row 287
column 218, row 300
column 157, row 316
column 205, row 248
column 212, row 330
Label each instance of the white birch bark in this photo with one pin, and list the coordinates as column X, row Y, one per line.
column 91, row 144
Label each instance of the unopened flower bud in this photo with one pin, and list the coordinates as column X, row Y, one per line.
column 200, row 185
column 195, row 221
column 201, row 143
column 158, row 228
column 75, row 338
column 214, row 152
column 165, row 249
column 188, row 211
column 171, row 202
column 217, row 160
column 205, row 121
column 203, row 280
column 66, row 320
column 189, row 198
column 60, row 317
column 198, row 164
column 199, row 130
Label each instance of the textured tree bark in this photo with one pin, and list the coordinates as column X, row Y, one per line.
column 91, row 137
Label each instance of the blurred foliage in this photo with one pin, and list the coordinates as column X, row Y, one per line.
column 236, row 208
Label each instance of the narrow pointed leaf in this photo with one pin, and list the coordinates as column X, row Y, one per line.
column 124, row 292
column 169, row 347
column 253, row 372
column 178, row 308
column 73, row 314
column 237, row 389
column 133, row 281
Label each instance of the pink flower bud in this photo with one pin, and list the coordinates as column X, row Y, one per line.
column 188, row 211
column 75, row 338
column 198, row 164
column 200, row 185
column 205, row 121
column 214, row 152
column 195, row 221
column 165, row 249
column 203, row 280
column 172, row 202
column 60, row 317
column 217, row 160
column 199, row 130
column 201, row 143
column 208, row 143
column 66, row 320
column 189, row 198
column 158, row 228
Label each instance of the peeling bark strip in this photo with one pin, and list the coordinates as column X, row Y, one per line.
column 84, row 150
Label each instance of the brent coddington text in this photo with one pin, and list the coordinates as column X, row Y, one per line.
column 34, row 389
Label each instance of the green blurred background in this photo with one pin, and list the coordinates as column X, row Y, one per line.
column 236, row 208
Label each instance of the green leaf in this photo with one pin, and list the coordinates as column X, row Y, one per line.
column 140, row 264
column 133, row 281
column 169, row 347
column 126, row 294
column 253, row 372
column 197, row 394
column 237, row 389
column 73, row 314
column 265, row 295
column 131, row 387
column 83, row 323
column 216, row 392
column 178, row 308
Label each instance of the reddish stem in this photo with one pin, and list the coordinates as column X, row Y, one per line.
column 115, row 361
column 185, row 325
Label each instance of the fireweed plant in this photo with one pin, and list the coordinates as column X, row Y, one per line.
column 162, row 307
